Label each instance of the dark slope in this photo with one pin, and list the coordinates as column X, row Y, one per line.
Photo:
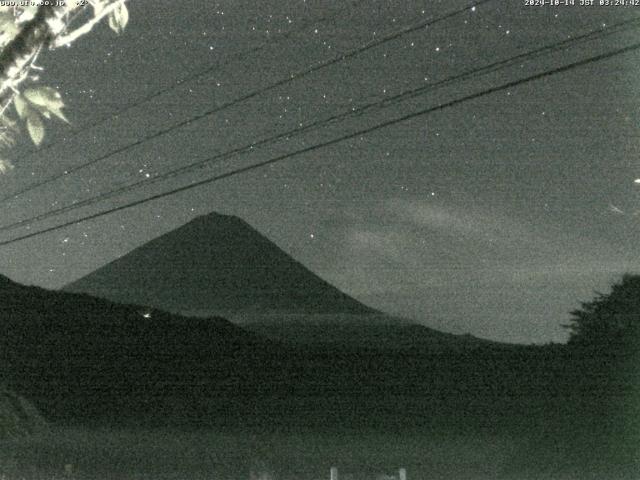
column 79, row 358
column 213, row 265
column 362, row 332
column 82, row 357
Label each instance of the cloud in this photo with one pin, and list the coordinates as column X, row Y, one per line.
column 473, row 269
column 466, row 223
column 401, row 245
column 398, row 245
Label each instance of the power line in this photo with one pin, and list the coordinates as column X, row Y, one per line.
column 292, row 77
column 469, row 74
column 188, row 79
column 340, row 139
column 495, row 66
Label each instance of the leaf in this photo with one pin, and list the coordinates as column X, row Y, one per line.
column 7, row 136
column 28, row 13
column 8, row 27
column 8, row 23
column 35, row 127
column 7, row 139
column 44, row 97
column 58, row 113
column 5, row 166
column 47, row 101
column 119, row 18
column 21, row 106
column 97, row 8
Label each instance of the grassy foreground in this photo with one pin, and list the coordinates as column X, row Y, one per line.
column 165, row 453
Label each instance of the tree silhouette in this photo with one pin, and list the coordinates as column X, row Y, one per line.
column 610, row 322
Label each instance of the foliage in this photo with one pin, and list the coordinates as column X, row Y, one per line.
column 20, row 82
column 610, row 321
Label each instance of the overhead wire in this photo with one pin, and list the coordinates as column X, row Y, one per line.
column 253, row 94
column 342, row 138
column 191, row 77
column 354, row 112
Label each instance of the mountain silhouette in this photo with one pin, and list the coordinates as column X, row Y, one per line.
column 215, row 265
column 219, row 265
column 87, row 360
column 379, row 332
column 83, row 359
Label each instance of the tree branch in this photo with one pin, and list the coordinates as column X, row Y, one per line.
column 45, row 29
column 40, row 31
column 87, row 27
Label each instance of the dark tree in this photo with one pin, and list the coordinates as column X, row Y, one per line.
column 611, row 321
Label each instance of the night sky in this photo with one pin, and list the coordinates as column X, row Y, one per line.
column 494, row 217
